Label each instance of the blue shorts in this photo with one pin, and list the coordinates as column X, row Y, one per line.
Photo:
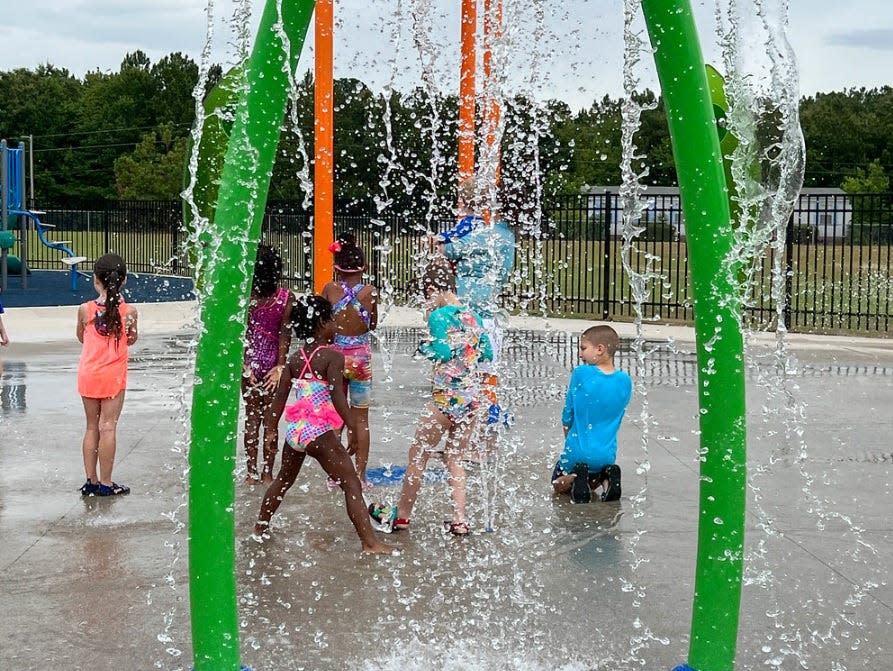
column 359, row 393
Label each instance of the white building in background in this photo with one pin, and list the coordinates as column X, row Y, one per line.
column 827, row 210
column 662, row 204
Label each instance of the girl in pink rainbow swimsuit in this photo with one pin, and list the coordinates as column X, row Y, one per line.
column 318, row 412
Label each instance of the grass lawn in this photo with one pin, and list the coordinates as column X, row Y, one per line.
column 834, row 285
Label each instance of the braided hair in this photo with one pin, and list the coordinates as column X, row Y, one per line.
column 111, row 271
column 267, row 272
column 349, row 258
column 308, row 313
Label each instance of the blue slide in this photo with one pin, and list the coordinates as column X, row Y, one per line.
column 12, row 193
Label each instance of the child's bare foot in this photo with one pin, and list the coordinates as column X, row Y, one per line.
column 252, row 479
column 378, row 548
column 563, row 483
column 261, row 531
column 267, row 478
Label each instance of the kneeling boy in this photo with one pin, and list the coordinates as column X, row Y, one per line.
column 597, row 397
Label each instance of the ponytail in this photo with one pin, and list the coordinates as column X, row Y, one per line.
column 111, row 271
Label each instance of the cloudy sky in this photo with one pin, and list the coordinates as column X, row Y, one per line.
column 570, row 50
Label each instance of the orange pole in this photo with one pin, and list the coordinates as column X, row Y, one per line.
column 466, row 91
column 323, row 143
column 492, row 111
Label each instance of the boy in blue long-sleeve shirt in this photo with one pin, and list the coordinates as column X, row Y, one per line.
column 597, row 397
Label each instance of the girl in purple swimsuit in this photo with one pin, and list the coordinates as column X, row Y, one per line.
column 267, row 340
column 355, row 306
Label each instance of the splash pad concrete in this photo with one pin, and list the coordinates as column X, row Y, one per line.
column 95, row 583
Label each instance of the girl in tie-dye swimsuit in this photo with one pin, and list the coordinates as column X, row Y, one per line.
column 355, row 306
column 458, row 343
column 317, row 413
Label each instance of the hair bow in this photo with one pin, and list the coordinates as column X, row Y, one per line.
column 335, row 247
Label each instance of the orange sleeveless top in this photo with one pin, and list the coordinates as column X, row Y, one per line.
column 102, row 372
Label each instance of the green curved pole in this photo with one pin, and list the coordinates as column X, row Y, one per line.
column 215, row 405
column 720, row 344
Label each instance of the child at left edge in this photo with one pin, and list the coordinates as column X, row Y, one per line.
column 106, row 326
column 4, row 338
column 597, row 396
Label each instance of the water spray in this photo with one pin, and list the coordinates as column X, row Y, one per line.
column 235, row 230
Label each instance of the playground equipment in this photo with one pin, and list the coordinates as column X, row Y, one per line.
column 14, row 205
column 236, row 225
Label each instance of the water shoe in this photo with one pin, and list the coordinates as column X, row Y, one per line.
column 580, row 491
column 90, row 488
column 113, row 489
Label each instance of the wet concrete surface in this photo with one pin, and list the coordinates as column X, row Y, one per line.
column 102, row 583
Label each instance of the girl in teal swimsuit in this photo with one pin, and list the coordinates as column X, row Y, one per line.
column 458, row 344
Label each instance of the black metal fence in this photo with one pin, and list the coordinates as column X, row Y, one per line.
column 570, row 257
column 148, row 234
column 834, row 267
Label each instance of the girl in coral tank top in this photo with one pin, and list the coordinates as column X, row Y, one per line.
column 106, row 327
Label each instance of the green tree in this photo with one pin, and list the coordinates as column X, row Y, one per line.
column 845, row 131
column 359, row 134
column 43, row 103
column 593, row 135
column 176, row 76
column 295, row 143
column 117, row 109
column 872, row 180
column 154, row 170
column 653, row 139
column 80, row 127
